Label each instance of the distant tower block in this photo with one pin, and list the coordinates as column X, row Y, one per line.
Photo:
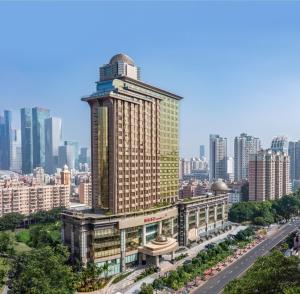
column 65, row 176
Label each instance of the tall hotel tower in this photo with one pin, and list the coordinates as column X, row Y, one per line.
column 135, row 158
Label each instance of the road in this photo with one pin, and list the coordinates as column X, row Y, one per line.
column 216, row 284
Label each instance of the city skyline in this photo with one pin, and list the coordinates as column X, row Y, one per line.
column 16, row 125
column 249, row 48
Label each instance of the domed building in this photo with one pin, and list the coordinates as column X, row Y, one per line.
column 219, row 187
column 120, row 65
column 121, row 58
column 204, row 216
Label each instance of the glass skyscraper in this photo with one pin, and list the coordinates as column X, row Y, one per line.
column 15, row 151
column 53, row 137
column 68, row 155
column 38, row 135
column 202, row 152
column 26, row 140
column 2, row 141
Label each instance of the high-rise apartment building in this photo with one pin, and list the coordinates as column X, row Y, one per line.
column 269, row 175
column 218, row 157
column 39, row 115
column 280, row 143
column 135, row 158
column 244, row 146
column 53, row 137
column 230, row 169
column 85, row 193
column 26, row 140
column 65, row 176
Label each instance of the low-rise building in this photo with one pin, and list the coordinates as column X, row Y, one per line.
column 144, row 236
column 121, row 239
column 203, row 216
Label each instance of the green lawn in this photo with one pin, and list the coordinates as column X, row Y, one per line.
column 19, row 242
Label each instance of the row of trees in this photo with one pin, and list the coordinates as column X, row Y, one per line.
column 11, row 221
column 267, row 212
column 47, row 267
column 273, row 273
column 204, row 260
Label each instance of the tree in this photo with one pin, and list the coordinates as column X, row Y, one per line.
column 146, row 289
column 44, row 235
column 90, row 277
column 287, row 206
column 11, row 221
column 158, row 284
column 274, row 273
column 242, row 211
column 2, row 277
column 6, row 244
column 259, row 221
column 43, row 270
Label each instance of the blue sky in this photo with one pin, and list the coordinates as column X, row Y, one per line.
column 236, row 63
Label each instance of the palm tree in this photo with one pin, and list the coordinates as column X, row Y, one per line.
column 105, row 269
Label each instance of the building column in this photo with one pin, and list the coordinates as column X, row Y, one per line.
column 72, row 240
column 123, row 250
column 197, row 223
column 187, row 214
column 197, row 218
column 144, row 236
column 223, row 214
column 216, row 213
column 144, row 259
column 172, row 255
column 160, row 228
column 157, row 261
column 206, row 219
column 172, row 227
column 83, row 246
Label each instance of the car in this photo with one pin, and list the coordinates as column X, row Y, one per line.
column 210, row 245
column 188, row 261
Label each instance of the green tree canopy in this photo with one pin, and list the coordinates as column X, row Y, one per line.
column 146, row 289
column 11, row 221
column 6, row 244
column 274, row 273
column 287, row 206
column 44, row 270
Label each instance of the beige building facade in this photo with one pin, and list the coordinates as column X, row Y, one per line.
column 269, row 175
column 85, row 193
column 27, row 199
